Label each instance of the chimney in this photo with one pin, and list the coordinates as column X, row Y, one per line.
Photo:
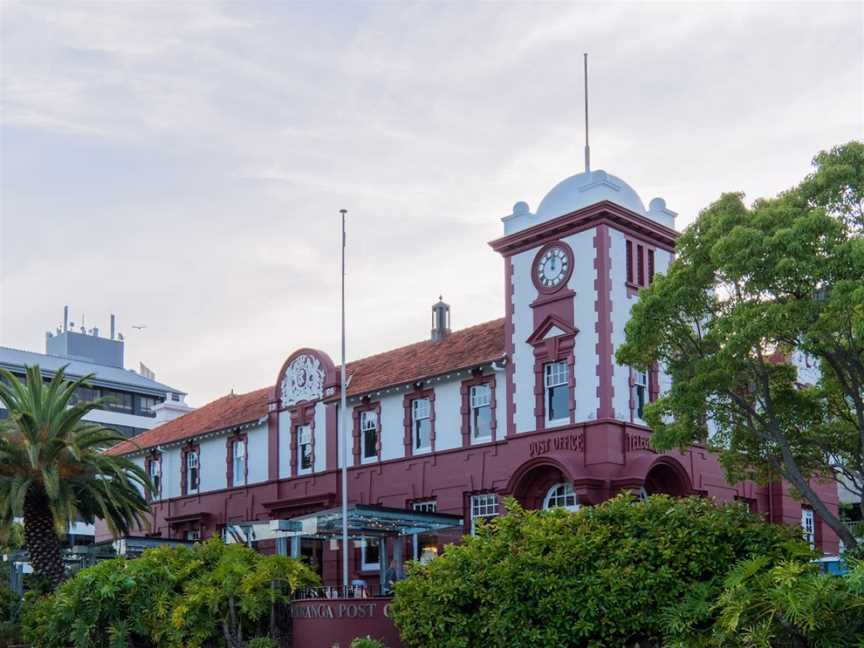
column 440, row 320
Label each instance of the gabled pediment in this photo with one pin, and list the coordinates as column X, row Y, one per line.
column 551, row 327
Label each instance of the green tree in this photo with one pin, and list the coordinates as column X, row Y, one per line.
column 772, row 604
column 597, row 577
column 748, row 287
column 209, row 594
column 53, row 470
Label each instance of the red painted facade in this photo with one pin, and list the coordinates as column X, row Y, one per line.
column 599, row 457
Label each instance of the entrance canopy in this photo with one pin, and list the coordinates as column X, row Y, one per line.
column 364, row 521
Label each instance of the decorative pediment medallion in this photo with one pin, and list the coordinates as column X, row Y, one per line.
column 303, row 381
column 551, row 327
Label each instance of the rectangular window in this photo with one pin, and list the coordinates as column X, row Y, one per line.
column 146, row 405
column 193, row 536
column 640, row 265
column 481, row 411
column 422, row 424
column 630, row 262
column 483, row 506
column 557, row 391
column 650, row 266
column 369, row 434
column 192, row 472
column 156, row 478
column 239, row 451
column 117, row 401
column 304, row 447
column 808, row 527
column 640, row 389
column 370, row 555
column 426, row 506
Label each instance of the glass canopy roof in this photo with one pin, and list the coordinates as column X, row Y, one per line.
column 364, row 521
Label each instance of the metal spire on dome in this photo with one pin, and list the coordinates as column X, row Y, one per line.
column 587, row 148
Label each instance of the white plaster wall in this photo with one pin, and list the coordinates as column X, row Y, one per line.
column 621, row 308
column 584, row 318
column 621, row 305
column 256, row 446
column 448, row 415
column 213, row 461
column 392, row 427
column 284, row 445
column 500, row 404
column 524, row 292
column 320, row 437
column 171, row 472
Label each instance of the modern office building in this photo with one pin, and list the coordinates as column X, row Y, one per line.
column 134, row 402
column 531, row 406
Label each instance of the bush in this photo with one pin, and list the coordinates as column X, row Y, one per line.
column 170, row 596
column 367, row 642
column 768, row 604
column 262, row 642
column 599, row 577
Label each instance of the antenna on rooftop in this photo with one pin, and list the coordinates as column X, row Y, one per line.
column 587, row 148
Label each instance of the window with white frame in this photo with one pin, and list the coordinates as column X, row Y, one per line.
column 239, row 462
column 561, row 496
column 481, row 411
column 155, row 472
column 192, row 471
column 426, row 506
column 640, row 391
column 484, row 506
column 369, row 434
column 808, row 527
column 193, row 536
column 304, row 448
column 421, row 418
column 557, row 392
column 370, row 554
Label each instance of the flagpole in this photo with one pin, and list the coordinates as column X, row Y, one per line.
column 587, row 148
column 342, row 426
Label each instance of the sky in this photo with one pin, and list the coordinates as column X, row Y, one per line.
column 183, row 164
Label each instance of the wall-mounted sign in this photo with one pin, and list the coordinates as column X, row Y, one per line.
column 572, row 441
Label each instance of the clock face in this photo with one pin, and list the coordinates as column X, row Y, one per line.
column 552, row 267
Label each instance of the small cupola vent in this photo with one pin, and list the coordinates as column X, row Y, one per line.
column 440, row 320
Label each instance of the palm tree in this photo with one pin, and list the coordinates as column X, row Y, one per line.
column 53, row 470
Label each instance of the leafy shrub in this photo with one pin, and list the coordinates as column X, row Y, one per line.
column 367, row 642
column 598, row 577
column 262, row 642
column 769, row 604
column 170, row 596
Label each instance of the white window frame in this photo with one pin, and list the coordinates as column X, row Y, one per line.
column 304, row 430
column 417, row 415
column 555, row 374
column 193, row 454
column 425, row 506
column 365, row 565
column 808, row 527
column 193, row 536
column 559, row 495
column 483, row 506
column 156, row 472
column 239, row 459
column 640, row 382
column 476, row 400
column 368, row 422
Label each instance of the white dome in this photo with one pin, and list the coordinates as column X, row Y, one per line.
column 585, row 189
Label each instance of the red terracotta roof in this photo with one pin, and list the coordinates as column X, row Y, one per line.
column 459, row 350
column 224, row 412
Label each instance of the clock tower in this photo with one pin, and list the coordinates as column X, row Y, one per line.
column 572, row 271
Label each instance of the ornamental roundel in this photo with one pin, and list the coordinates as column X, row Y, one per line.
column 303, row 381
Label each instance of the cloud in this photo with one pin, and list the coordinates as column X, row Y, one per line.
column 183, row 164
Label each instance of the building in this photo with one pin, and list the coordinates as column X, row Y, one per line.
column 531, row 405
column 135, row 402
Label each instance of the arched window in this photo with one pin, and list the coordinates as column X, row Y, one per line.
column 561, row 495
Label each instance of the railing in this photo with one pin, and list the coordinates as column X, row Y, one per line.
column 357, row 591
